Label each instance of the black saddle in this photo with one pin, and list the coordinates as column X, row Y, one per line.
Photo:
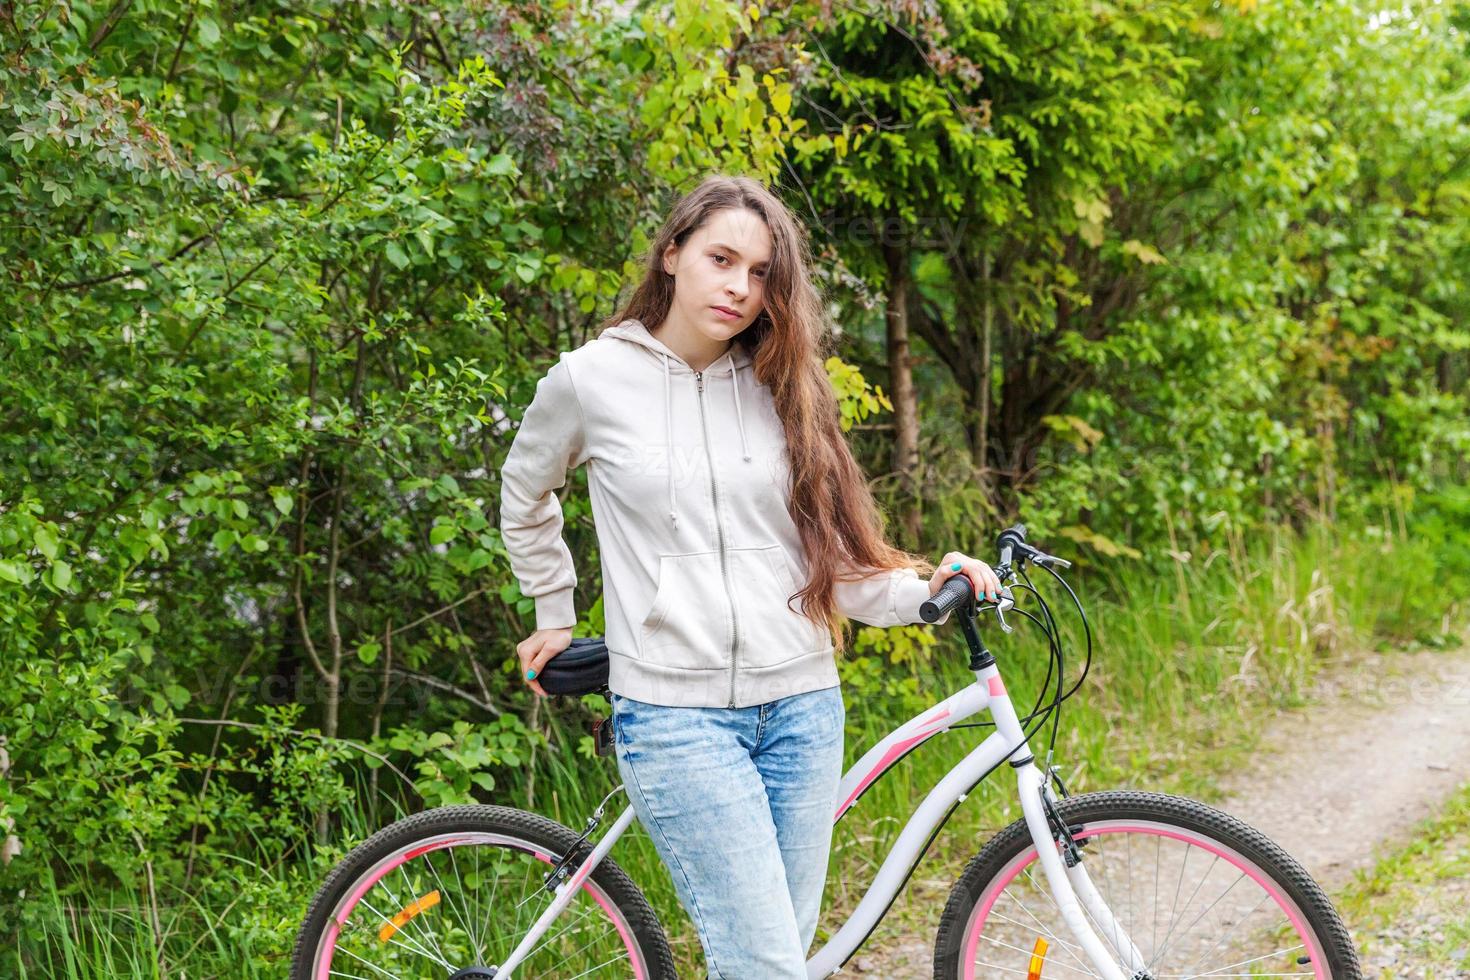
column 579, row 669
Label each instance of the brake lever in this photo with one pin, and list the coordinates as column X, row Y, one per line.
column 1007, row 601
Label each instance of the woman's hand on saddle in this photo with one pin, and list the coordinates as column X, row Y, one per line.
column 982, row 578
column 536, row 649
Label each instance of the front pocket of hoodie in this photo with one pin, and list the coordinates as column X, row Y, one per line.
column 771, row 633
column 688, row 625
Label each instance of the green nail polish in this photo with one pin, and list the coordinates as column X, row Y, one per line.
column 530, row 675
column 955, row 567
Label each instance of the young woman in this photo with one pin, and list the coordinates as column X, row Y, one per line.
column 735, row 528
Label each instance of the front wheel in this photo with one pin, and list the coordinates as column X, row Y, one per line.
column 1195, row 892
column 452, row 891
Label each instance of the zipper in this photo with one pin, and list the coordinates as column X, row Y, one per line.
column 714, row 490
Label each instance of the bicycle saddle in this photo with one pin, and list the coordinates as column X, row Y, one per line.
column 579, row 669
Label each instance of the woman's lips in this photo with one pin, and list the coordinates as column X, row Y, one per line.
column 725, row 313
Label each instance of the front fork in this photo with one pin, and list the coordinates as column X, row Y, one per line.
column 1072, row 888
column 565, row 880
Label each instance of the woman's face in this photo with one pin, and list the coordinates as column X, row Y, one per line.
column 721, row 267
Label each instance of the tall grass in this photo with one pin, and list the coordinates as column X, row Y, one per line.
column 1189, row 656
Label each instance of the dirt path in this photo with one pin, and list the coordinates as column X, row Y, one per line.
column 1383, row 742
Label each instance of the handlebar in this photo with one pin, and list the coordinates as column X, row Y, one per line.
column 955, row 592
column 958, row 591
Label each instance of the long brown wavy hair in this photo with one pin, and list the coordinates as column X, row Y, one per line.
column 830, row 501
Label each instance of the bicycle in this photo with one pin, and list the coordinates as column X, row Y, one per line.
column 1058, row 893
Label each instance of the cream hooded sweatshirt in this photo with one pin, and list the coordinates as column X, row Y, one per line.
column 689, row 485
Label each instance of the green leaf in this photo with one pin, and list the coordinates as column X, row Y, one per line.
column 282, row 498
column 45, row 539
column 396, row 255
column 368, row 652
column 441, row 533
column 60, row 575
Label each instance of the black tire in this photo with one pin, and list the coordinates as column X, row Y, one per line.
column 990, row 873
column 529, row 834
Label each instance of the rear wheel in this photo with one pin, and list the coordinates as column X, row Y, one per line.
column 449, row 893
column 1198, row 893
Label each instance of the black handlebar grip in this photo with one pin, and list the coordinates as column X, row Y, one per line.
column 955, row 592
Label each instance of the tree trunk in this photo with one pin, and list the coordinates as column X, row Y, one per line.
column 901, row 385
column 982, row 422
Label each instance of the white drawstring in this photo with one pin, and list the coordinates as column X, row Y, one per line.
column 735, row 384
column 669, row 441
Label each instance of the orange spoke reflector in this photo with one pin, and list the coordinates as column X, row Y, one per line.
column 1038, row 957
column 409, row 911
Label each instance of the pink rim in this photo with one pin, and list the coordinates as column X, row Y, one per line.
column 977, row 921
column 334, row 926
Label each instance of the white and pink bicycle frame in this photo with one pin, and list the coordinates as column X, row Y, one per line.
column 1070, row 887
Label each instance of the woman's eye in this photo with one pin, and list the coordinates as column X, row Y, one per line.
column 719, row 257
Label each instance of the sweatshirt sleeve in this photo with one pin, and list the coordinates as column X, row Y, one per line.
column 885, row 598
column 551, row 440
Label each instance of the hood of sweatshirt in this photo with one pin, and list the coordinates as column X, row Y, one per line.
column 735, row 359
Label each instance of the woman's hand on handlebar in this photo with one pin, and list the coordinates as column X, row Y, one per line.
column 982, row 577
column 536, row 649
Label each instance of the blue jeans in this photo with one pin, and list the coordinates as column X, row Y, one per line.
column 739, row 804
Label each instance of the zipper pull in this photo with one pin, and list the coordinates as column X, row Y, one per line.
column 699, row 380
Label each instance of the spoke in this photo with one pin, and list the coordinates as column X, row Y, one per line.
column 1052, row 902
column 1128, row 844
column 1069, row 947
column 1174, row 915
column 1255, row 959
column 549, row 935
column 1207, row 908
column 349, row 976
column 423, row 926
column 493, row 891
column 1108, row 896
column 370, row 966
column 1027, row 952
column 467, row 917
column 1085, row 911
column 597, row 967
column 404, row 931
column 1039, row 927
column 1004, row 969
column 1187, row 976
column 1265, row 896
column 446, row 898
column 416, row 948
column 1153, row 942
column 1169, row 936
column 584, row 948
